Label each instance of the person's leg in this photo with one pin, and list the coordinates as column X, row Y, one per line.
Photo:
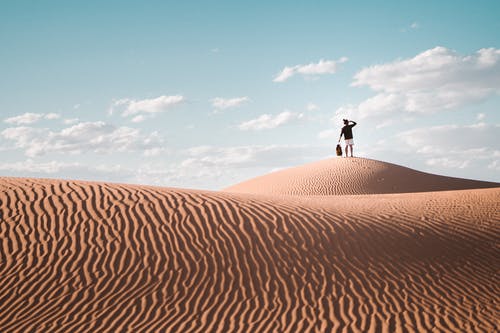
column 346, row 150
column 352, row 153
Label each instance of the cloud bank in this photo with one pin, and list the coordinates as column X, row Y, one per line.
column 98, row 137
column 435, row 80
column 440, row 140
column 207, row 167
column 446, row 148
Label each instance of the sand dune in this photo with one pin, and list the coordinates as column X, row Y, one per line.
column 339, row 176
column 97, row 257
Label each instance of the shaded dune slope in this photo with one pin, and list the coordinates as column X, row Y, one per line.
column 339, row 176
column 95, row 257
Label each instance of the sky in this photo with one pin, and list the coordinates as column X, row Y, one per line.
column 205, row 94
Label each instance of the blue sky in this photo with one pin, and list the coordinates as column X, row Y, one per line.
column 203, row 94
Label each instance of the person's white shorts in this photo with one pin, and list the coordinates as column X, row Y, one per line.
column 349, row 141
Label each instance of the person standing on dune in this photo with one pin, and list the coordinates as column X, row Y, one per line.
column 347, row 133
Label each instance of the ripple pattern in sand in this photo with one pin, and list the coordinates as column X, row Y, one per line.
column 347, row 176
column 94, row 257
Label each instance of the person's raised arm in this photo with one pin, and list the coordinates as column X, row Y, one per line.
column 353, row 123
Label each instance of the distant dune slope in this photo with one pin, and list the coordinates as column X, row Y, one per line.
column 337, row 176
column 95, row 257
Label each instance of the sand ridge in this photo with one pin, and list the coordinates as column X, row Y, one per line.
column 341, row 176
column 96, row 257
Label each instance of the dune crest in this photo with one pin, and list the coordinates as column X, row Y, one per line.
column 95, row 257
column 341, row 176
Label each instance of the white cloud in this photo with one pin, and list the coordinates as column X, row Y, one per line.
column 415, row 25
column 495, row 165
column 312, row 69
column 381, row 105
column 138, row 119
column 130, row 107
column 70, row 121
column 73, row 170
column 432, row 69
column 52, row 116
column 467, row 151
column 219, row 167
column 220, row 103
column 205, row 167
column 156, row 151
column 435, row 80
column 448, row 138
column 312, row 107
column 30, row 118
column 86, row 136
column 267, row 121
column 250, row 156
column 31, row 167
column 26, row 118
column 449, row 163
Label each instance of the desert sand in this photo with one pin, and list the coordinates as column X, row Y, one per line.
column 339, row 176
column 299, row 250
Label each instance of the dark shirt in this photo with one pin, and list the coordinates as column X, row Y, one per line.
column 347, row 131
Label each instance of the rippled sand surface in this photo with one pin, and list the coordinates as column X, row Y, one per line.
column 96, row 257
